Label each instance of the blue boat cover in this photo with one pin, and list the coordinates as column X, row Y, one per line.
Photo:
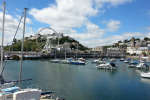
column 10, row 89
column 48, row 92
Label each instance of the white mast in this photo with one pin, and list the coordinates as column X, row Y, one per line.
column 22, row 47
column 65, row 50
column 2, row 37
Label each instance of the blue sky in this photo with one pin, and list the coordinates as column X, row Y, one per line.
column 91, row 22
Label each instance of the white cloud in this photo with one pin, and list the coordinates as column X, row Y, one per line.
column 115, row 3
column 10, row 27
column 113, row 25
column 66, row 15
column 18, row 10
column 113, row 39
column 28, row 20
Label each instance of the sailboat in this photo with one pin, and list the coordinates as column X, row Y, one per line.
column 56, row 60
column 66, row 60
column 95, row 60
column 78, row 61
column 16, row 93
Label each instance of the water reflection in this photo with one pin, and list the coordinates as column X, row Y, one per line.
column 145, row 80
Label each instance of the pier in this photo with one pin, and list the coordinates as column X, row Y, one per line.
column 34, row 55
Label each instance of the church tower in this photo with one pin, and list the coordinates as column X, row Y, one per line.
column 133, row 42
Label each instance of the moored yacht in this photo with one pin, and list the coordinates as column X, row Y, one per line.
column 55, row 60
column 145, row 75
column 81, row 59
column 132, row 64
column 142, row 66
column 122, row 59
column 95, row 61
column 78, row 62
column 126, row 61
column 108, row 65
column 66, row 61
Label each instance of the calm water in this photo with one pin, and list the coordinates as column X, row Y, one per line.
column 82, row 82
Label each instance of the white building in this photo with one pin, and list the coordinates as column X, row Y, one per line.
column 63, row 49
column 32, row 38
column 115, row 51
column 137, row 50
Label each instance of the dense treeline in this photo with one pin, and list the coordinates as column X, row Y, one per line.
column 31, row 45
column 28, row 46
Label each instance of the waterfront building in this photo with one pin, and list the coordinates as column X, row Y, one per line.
column 138, row 50
column 138, row 44
column 122, row 45
column 138, row 47
column 99, row 50
column 115, row 51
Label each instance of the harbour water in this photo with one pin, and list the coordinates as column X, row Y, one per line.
column 81, row 82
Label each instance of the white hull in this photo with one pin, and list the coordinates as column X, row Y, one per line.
column 131, row 66
column 145, row 75
column 27, row 94
column 141, row 66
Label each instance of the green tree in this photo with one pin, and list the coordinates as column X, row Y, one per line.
column 72, row 46
column 146, row 39
column 127, row 53
column 137, row 39
column 33, row 47
column 134, row 54
column 120, row 41
column 125, row 41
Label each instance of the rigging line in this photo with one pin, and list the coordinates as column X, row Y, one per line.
column 11, row 44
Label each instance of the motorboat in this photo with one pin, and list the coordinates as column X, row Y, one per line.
column 112, row 66
column 108, row 65
column 95, row 61
column 78, row 62
column 122, row 59
column 145, row 75
column 126, row 61
column 66, row 61
column 142, row 66
column 81, row 59
column 103, row 66
column 131, row 65
column 101, row 62
column 112, row 60
column 143, row 60
column 55, row 60
column 133, row 62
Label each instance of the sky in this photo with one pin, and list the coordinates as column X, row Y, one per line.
column 91, row 22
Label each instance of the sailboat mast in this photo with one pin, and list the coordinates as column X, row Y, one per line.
column 2, row 36
column 22, row 47
column 65, row 50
